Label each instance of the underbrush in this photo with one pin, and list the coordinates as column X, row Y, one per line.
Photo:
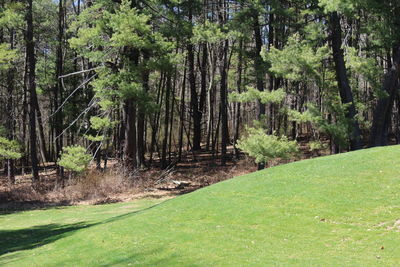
column 114, row 185
column 92, row 186
column 96, row 185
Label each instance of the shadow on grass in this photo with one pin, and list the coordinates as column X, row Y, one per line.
column 34, row 237
column 15, row 207
column 37, row 236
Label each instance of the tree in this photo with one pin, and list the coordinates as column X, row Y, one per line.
column 31, row 87
column 343, row 81
column 263, row 147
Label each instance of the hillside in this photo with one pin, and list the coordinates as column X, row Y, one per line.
column 336, row 210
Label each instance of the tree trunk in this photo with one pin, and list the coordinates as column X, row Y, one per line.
column 141, row 118
column 182, row 113
column 10, row 112
column 42, row 140
column 258, row 66
column 239, row 90
column 383, row 109
column 224, row 86
column 224, row 103
column 164, row 163
column 31, row 87
column 346, row 94
column 130, row 147
column 194, row 102
column 58, row 124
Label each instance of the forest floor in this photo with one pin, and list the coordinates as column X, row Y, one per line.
column 196, row 170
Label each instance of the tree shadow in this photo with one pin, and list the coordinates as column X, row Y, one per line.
column 7, row 208
column 37, row 236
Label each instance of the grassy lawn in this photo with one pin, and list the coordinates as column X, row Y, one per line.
column 331, row 211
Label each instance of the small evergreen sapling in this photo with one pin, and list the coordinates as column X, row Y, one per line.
column 9, row 149
column 74, row 159
column 263, row 147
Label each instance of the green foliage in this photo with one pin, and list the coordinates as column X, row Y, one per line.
column 338, row 129
column 9, row 149
column 345, row 6
column 367, row 67
column 303, row 117
column 316, row 145
column 7, row 55
column 74, row 158
column 208, row 32
column 263, row 147
column 99, row 123
column 11, row 15
column 251, row 94
column 129, row 27
column 298, row 61
column 111, row 34
column 3, row 131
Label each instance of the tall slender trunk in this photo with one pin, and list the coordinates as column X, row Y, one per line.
column 25, row 111
column 155, row 122
column 384, row 107
column 224, row 103
column 258, row 66
column 239, row 90
column 42, row 140
column 346, row 94
column 182, row 113
column 164, row 163
column 224, row 86
column 271, row 78
column 194, row 101
column 130, row 146
column 31, row 86
column 141, row 117
column 58, row 118
column 130, row 112
column 10, row 112
column 203, row 71
column 171, row 123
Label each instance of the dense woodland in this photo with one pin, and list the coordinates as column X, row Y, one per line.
column 149, row 81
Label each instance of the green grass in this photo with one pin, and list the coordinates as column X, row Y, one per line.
column 330, row 211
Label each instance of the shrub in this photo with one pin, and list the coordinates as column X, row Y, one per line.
column 74, row 158
column 316, row 145
column 9, row 149
column 263, row 147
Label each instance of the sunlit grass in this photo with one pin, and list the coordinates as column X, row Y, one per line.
column 332, row 211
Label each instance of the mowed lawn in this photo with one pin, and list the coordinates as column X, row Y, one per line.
column 341, row 210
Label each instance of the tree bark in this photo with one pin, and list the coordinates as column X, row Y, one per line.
column 168, row 89
column 346, row 94
column 31, row 87
column 258, row 66
column 239, row 90
column 130, row 147
column 58, row 120
column 10, row 112
column 194, row 101
column 141, row 118
column 383, row 109
column 224, row 103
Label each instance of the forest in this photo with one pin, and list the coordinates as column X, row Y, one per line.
column 145, row 83
column 199, row 133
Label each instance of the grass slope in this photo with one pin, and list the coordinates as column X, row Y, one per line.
column 331, row 211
